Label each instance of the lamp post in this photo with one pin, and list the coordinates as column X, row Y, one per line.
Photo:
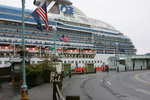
column 117, row 57
column 24, row 89
column 54, row 32
column 9, row 48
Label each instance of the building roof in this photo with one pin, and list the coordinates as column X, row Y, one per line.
column 140, row 57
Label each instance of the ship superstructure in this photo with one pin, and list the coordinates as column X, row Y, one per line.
column 90, row 40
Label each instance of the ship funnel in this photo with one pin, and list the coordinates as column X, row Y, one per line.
column 37, row 2
column 65, row 2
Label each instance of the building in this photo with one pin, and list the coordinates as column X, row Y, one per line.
column 130, row 62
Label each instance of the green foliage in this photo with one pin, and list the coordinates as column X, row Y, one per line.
column 47, row 66
column 34, row 69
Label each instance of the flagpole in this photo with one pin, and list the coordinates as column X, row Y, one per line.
column 24, row 89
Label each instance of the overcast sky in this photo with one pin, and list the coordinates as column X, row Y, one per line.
column 131, row 17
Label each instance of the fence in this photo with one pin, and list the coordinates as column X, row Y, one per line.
column 57, row 85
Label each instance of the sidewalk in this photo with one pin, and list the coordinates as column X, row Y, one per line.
column 45, row 91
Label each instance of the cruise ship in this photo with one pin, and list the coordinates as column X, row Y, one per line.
column 90, row 40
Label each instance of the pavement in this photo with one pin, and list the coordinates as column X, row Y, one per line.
column 45, row 91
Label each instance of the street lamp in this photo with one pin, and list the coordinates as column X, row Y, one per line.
column 9, row 48
column 24, row 89
column 54, row 32
column 117, row 64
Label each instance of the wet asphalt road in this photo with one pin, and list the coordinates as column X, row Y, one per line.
column 134, row 85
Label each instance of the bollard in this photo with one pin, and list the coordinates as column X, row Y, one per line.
column 141, row 67
column 24, row 93
column 55, row 82
column 133, row 67
column 72, row 97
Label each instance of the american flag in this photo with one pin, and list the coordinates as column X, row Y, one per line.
column 64, row 38
column 43, row 14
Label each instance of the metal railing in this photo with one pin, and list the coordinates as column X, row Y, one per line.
column 57, row 85
column 58, row 94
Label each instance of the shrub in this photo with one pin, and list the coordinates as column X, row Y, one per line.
column 33, row 69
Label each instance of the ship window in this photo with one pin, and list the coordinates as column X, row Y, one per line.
column 5, row 62
column 79, row 61
column 72, row 61
column 33, row 62
column 98, row 61
column 0, row 62
column 95, row 61
column 89, row 61
column 82, row 61
column 65, row 62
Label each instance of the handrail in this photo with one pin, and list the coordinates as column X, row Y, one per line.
column 61, row 97
column 57, row 96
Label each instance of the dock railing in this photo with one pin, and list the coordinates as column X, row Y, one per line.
column 57, row 86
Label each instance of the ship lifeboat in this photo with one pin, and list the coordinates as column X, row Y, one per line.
column 6, row 49
column 32, row 49
column 72, row 51
column 59, row 50
column 48, row 51
column 86, row 51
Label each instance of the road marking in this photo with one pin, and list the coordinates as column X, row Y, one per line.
column 136, row 77
column 108, row 82
column 143, row 91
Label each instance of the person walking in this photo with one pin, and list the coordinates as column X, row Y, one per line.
column 107, row 68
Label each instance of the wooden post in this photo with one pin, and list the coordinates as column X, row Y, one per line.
column 55, row 82
column 72, row 97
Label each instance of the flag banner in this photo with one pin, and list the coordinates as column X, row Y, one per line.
column 38, row 20
column 43, row 14
column 64, row 38
column 122, row 50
